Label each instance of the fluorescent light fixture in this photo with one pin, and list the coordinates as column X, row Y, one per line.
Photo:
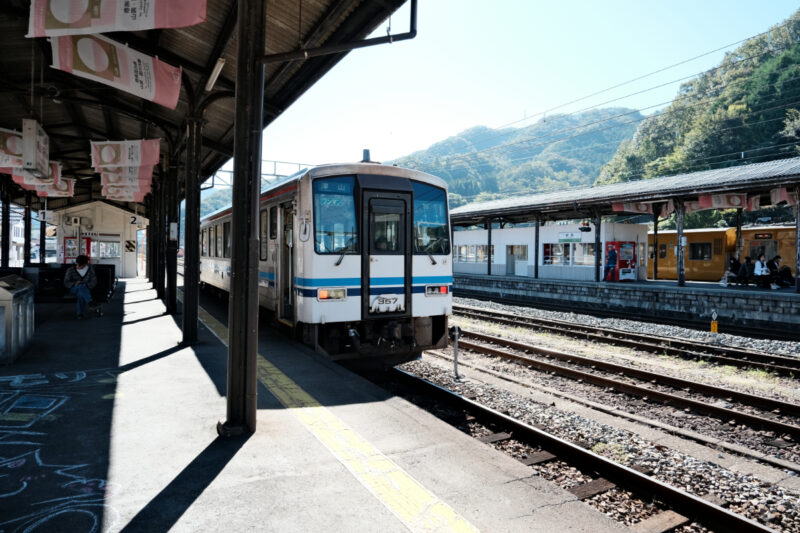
column 215, row 74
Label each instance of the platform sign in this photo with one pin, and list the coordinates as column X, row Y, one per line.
column 569, row 236
column 35, row 148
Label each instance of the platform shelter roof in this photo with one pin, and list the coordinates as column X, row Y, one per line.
column 754, row 178
column 75, row 110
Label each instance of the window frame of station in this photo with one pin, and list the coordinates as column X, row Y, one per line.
column 472, row 255
column 358, row 197
column 571, row 263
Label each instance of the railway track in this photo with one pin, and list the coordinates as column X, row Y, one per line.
column 754, row 332
column 766, row 421
column 724, row 355
column 684, row 506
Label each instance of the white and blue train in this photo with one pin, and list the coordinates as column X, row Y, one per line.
column 355, row 258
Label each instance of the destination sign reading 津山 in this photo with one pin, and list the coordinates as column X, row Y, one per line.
column 99, row 59
column 53, row 18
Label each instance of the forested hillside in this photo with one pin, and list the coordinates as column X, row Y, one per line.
column 558, row 151
column 743, row 111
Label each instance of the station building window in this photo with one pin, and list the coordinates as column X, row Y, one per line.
column 556, row 254
column 465, row 253
column 582, row 253
column 700, row 251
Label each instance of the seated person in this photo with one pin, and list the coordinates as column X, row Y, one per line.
column 731, row 275
column 746, row 272
column 80, row 279
column 762, row 274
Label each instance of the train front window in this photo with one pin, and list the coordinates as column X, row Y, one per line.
column 335, row 224
column 431, row 235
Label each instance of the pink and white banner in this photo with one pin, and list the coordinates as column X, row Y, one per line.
column 10, row 148
column 781, row 195
column 122, row 175
column 64, row 189
column 97, row 58
column 117, row 190
column 632, row 207
column 126, row 196
column 722, row 201
column 114, row 180
column 30, row 182
column 53, row 18
column 753, row 203
column 111, row 155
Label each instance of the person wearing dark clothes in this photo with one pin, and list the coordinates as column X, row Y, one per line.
column 611, row 263
column 732, row 274
column 80, row 279
column 746, row 271
column 781, row 275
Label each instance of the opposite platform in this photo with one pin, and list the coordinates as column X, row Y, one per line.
column 108, row 423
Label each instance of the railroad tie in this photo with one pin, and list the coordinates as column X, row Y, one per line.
column 592, row 488
column 660, row 523
column 494, row 437
column 538, row 457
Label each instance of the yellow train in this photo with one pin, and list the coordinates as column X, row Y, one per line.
column 708, row 250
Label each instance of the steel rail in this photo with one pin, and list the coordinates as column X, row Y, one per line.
column 723, row 355
column 689, row 505
column 752, row 400
column 642, row 392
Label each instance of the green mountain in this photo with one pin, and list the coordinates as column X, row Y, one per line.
column 557, row 151
column 745, row 110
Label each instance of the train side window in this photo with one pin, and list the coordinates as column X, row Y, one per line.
column 700, row 251
column 273, row 222
column 662, row 251
column 211, row 241
column 226, row 235
column 218, row 230
column 204, row 243
column 263, row 236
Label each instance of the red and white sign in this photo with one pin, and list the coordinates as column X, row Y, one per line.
column 753, row 203
column 63, row 189
column 100, row 59
column 126, row 196
column 781, row 195
column 10, row 148
column 722, row 201
column 73, row 17
column 28, row 181
column 632, row 207
column 111, row 155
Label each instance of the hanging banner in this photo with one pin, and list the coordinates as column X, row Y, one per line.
column 753, row 203
column 123, row 181
column 632, row 207
column 116, row 190
column 28, row 181
column 127, row 196
column 780, row 195
column 112, row 154
column 10, row 148
column 693, row 206
column 97, row 58
column 722, row 201
column 124, row 175
column 51, row 18
column 667, row 209
column 64, row 189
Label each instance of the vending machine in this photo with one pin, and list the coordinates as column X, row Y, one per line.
column 72, row 251
column 626, row 260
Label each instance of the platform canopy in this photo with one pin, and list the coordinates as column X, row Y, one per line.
column 755, row 179
column 74, row 110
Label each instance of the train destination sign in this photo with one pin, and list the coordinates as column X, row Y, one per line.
column 767, row 236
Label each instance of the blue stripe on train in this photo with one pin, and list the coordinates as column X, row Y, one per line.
column 349, row 282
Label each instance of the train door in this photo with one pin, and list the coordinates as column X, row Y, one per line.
column 286, row 265
column 386, row 284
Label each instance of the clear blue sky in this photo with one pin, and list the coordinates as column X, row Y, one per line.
column 494, row 63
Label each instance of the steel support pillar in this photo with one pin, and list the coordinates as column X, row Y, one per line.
column 656, row 212
column 42, row 238
column 26, row 251
column 5, row 242
column 489, row 247
column 739, row 240
column 158, row 240
column 191, row 258
column 598, row 246
column 149, row 239
column 243, row 306
column 797, row 239
column 680, row 212
column 536, row 248
column 171, row 249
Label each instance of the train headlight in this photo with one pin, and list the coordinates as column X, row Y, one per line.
column 436, row 290
column 331, row 294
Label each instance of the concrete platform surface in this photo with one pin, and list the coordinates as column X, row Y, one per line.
column 108, row 424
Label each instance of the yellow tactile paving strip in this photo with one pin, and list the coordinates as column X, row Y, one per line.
column 406, row 498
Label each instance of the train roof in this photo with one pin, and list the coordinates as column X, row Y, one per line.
column 582, row 202
column 341, row 169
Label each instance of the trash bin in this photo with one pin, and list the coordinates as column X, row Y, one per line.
column 16, row 313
